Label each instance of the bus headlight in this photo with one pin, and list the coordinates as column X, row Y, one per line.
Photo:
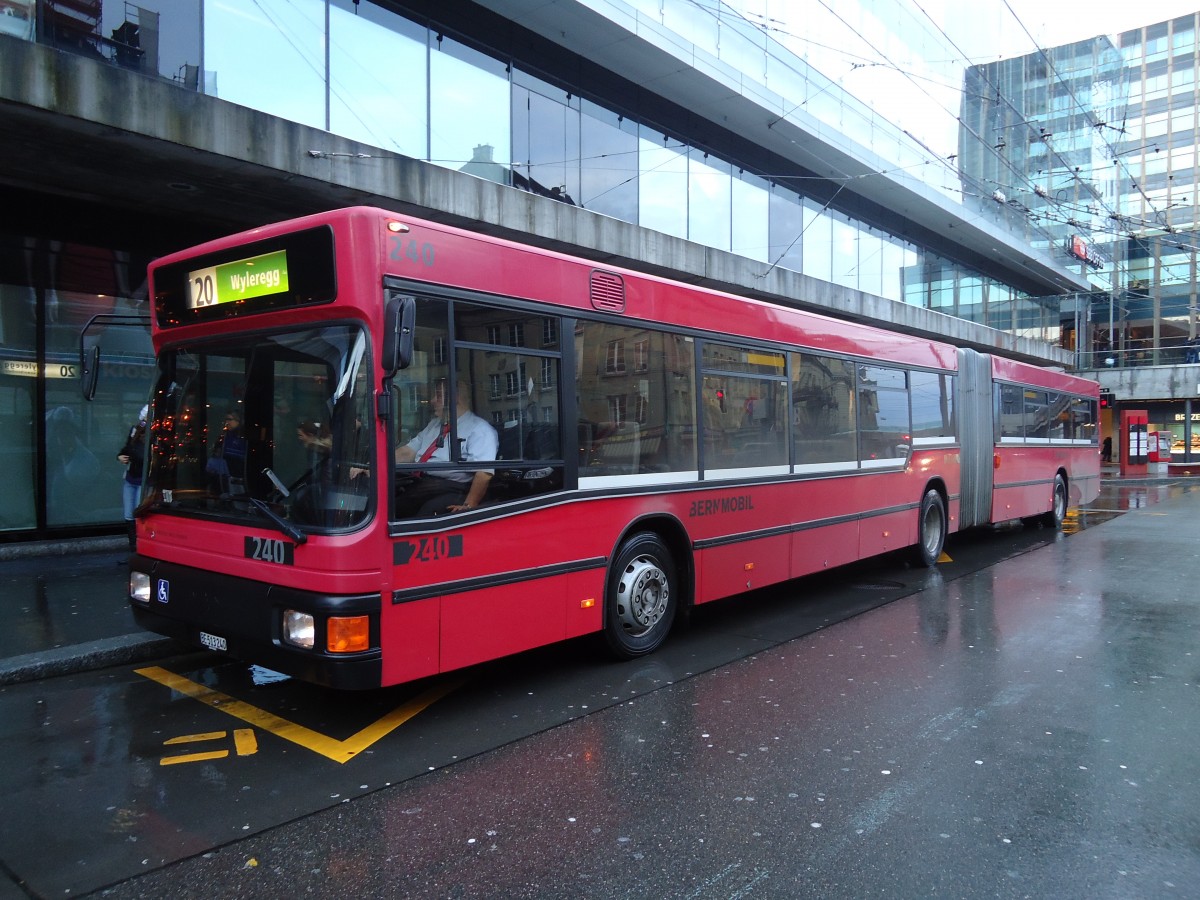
column 139, row 586
column 299, row 629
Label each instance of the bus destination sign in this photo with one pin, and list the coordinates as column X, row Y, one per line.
column 287, row 271
column 241, row 279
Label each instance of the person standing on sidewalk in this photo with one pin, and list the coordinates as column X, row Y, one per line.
column 132, row 456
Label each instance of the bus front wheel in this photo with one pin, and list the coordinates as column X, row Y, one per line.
column 641, row 597
column 931, row 528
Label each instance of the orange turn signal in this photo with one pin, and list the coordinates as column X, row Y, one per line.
column 348, row 634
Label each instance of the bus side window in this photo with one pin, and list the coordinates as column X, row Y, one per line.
column 413, row 400
column 745, row 403
column 1083, row 419
column 430, row 361
column 522, row 400
column 884, row 422
column 1037, row 415
column 637, row 400
column 512, row 359
column 744, row 422
column 1010, row 411
column 1058, row 414
column 823, row 426
column 932, row 406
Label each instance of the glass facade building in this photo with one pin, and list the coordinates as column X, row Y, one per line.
column 401, row 80
column 1095, row 142
column 1157, row 232
column 1096, row 152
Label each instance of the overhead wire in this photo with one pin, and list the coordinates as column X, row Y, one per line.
column 1055, row 209
column 861, row 61
column 1023, row 178
column 1069, row 211
column 1066, row 167
column 1087, row 111
column 960, row 173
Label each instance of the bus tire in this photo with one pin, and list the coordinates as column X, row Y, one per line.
column 1058, row 506
column 931, row 528
column 642, row 596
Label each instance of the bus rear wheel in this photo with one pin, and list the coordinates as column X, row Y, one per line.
column 641, row 598
column 931, row 528
column 1058, row 508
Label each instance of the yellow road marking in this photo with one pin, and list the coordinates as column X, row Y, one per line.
column 192, row 738
column 245, row 742
column 192, row 757
column 331, row 748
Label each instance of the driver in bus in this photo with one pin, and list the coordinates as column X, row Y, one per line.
column 448, row 490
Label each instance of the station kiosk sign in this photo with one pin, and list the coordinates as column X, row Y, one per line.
column 1135, row 441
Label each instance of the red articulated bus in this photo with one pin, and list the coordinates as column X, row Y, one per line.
column 621, row 447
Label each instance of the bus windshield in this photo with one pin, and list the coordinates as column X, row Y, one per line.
column 268, row 429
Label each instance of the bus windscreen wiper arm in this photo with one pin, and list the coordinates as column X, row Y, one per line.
column 284, row 525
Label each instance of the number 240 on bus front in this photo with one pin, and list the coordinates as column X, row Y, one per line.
column 270, row 550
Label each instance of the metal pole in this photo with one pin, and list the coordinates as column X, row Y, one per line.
column 1187, row 430
column 1112, row 300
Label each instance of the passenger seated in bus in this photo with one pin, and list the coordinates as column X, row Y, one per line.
column 448, row 490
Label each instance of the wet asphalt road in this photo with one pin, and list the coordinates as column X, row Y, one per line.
column 1020, row 729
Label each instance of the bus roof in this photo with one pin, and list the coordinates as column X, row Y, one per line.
column 1053, row 379
column 445, row 255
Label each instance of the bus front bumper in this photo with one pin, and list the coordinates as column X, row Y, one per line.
column 245, row 619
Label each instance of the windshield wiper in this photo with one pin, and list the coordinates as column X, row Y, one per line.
column 283, row 524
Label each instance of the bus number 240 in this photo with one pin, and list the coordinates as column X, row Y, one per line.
column 428, row 549
column 421, row 254
column 270, row 550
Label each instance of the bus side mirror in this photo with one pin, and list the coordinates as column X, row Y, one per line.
column 89, row 364
column 89, row 348
column 399, row 320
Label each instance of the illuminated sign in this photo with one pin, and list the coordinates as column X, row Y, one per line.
column 1079, row 247
column 285, row 272
column 29, row 369
column 242, row 279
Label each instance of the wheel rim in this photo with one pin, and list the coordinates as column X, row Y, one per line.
column 1060, row 501
column 643, row 594
column 931, row 529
